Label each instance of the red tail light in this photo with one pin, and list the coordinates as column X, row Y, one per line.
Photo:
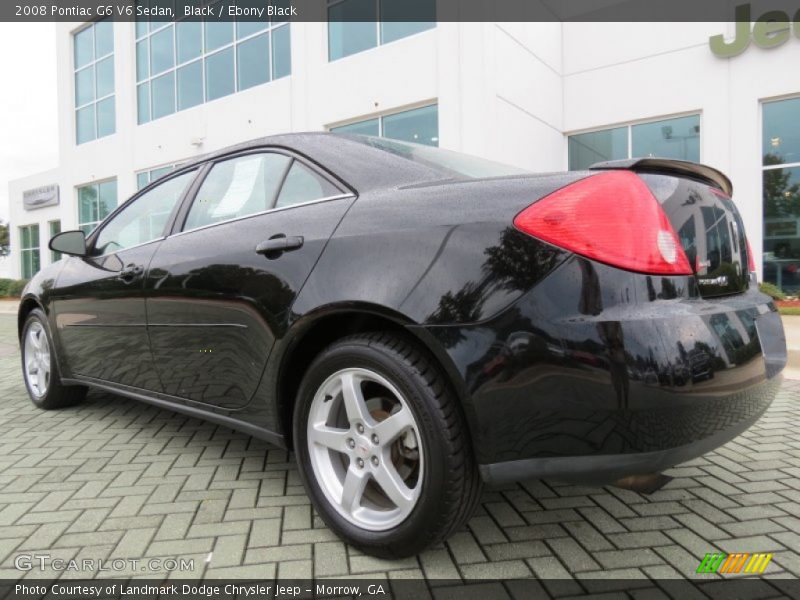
column 751, row 261
column 612, row 218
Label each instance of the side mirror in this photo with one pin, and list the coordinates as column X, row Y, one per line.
column 69, row 242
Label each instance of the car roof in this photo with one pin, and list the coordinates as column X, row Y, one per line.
column 359, row 165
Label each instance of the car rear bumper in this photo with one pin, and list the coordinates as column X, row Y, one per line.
column 598, row 374
column 739, row 412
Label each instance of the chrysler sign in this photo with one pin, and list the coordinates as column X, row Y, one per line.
column 47, row 195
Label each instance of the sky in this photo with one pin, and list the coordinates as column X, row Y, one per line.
column 28, row 113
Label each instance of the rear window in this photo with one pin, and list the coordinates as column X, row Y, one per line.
column 452, row 164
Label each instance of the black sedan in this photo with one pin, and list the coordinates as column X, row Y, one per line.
column 414, row 322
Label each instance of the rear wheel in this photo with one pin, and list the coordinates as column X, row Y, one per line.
column 382, row 447
column 39, row 367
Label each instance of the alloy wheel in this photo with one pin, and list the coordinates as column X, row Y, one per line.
column 37, row 359
column 364, row 447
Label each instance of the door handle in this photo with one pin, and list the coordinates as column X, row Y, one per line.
column 130, row 272
column 278, row 244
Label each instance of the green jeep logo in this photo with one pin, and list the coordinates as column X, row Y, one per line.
column 770, row 30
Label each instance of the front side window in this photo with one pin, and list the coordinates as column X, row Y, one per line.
column 93, row 57
column 144, row 219
column 55, row 229
column 677, row 138
column 781, row 193
column 358, row 25
column 95, row 203
column 29, row 250
column 418, row 125
column 180, row 65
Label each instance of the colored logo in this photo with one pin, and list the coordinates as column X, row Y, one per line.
column 741, row 562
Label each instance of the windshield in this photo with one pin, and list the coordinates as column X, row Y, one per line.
column 453, row 163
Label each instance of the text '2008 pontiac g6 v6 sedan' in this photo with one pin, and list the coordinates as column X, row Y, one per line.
column 413, row 322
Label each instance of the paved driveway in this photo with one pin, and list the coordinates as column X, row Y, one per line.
column 113, row 478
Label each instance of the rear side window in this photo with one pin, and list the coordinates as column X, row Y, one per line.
column 303, row 185
column 238, row 187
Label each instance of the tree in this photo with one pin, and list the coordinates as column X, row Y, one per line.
column 5, row 242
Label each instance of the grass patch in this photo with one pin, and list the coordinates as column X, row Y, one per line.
column 789, row 311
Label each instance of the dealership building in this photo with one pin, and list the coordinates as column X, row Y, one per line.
column 137, row 99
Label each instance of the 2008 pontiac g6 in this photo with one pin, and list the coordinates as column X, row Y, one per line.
column 414, row 322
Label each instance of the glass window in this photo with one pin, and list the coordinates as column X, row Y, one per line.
column 677, row 138
column 585, row 149
column 236, row 188
column 219, row 75
column 250, row 66
column 84, row 47
column 781, row 131
column 353, row 25
column 163, row 102
column 781, row 194
column 190, row 40
column 144, row 178
column 55, row 229
column 95, row 203
column 303, row 185
column 29, row 250
column 674, row 138
column 105, row 117
column 145, row 218
column 190, row 85
column 180, row 65
column 368, row 127
column 422, row 13
column 419, row 125
column 94, row 81
column 162, row 51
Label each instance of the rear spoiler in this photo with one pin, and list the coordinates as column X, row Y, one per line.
column 668, row 166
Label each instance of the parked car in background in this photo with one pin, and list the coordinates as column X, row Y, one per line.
column 413, row 322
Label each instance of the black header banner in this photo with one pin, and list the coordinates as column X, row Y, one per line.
column 770, row 11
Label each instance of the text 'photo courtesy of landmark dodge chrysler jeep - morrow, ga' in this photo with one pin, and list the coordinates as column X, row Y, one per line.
column 413, row 322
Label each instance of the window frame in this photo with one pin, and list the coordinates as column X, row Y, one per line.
column 91, row 239
column 93, row 65
column 189, row 199
column 629, row 125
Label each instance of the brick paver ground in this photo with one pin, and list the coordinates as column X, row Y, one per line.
column 114, row 478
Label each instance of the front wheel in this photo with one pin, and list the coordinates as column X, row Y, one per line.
column 40, row 369
column 382, row 446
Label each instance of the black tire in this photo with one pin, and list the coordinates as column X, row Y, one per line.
column 57, row 394
column 451, row 482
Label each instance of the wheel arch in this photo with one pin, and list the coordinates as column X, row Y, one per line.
column 26, row 305
column 314, row 332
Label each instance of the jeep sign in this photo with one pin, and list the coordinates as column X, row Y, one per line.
column 770, row 30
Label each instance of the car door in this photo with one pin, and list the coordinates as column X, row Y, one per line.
column 99, row 303
column 219, row 291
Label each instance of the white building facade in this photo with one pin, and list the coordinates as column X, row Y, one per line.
column 135, row 99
